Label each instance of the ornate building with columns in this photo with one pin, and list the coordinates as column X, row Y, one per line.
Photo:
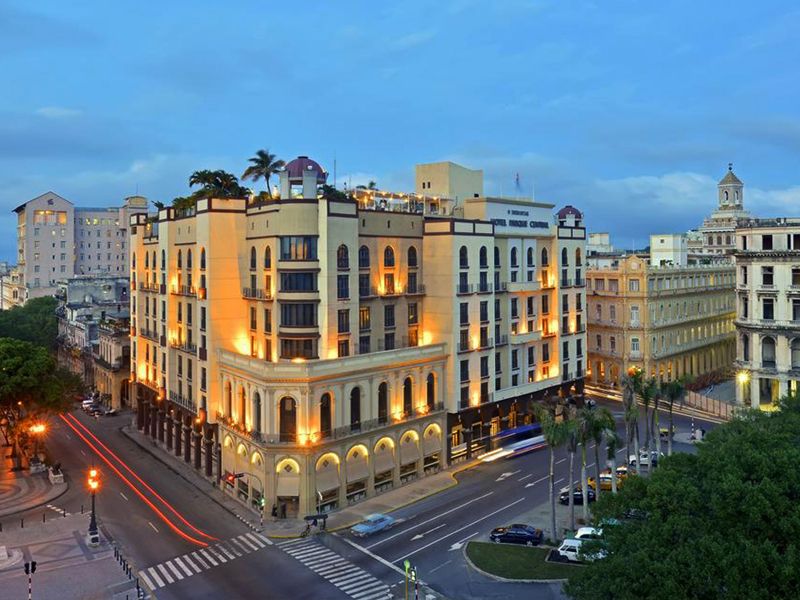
column 316, row 349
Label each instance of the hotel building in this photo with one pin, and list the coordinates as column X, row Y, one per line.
column 56, row 240
column 768, row 310
column 658, row 313
column 328, row 348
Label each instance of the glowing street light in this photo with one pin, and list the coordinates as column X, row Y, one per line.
column 94, row 485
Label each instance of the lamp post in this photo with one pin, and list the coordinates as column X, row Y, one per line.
column 94, row 483
column 37, row 430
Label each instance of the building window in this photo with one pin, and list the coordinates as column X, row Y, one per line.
column 565, row 350
column 298, row 281
column 483, row 258
column 412, row 313
column 412, row 257
column 388, row 315
column 546, row 352
column 514, row 360
column 363, row 344
column 388, row 257
column 767, row 352
column 344, row 321
column 767, row 275
column 796, row 276
column 745, row 307
column 496, row 257
column 464, row 370
column 253, row 319
column 612, row 341
column 298, row 315
column 545, row 305
column 412, row 283
column 633, row 285
column 363, row 257
column 344, row 348
column 363, row 285
column 795, row 309
column 298, row 348
column 745, row 347
column 796, row 353
column 484, row 312
column 634, row 344
column 342, row 258
column 766, row 242
column 463, row 258
column 298, row 248
column 343, row 287
column 364, row 318
column 768, row 309
column 515, row 308
column 514, row 258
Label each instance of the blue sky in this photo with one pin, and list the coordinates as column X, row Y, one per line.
column 628, row 110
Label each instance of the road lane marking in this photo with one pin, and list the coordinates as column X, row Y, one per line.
column 590, row 466
column 153, row 526
column 190, row 562
column 558, row 462
column 447, row 512
column 380, row 559
column 252, row 539
column 209, row 558
column 156, row 576
column 186, row 569
column 82, row 452
column 557, row 481
column 166, row 574
column 527, row 485
column 434, row 569
column 174, row 569
column 200, row 560
column 246, row 542
column 460, row 543
column 525, row 477
column 228, row 552
column 419, row 536
column 147, row 580
column 483, row 518
column 123, row 495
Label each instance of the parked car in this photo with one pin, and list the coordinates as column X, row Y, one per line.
column 645, row 459
column 605, row 481
column 517, row 534
column 372, row 524
column 112, row 412
column 573, row 550
column 90, row 408
column 577, row 496
column 97, row 411
column 623, row 471
column 588, row 533
column 665, row 432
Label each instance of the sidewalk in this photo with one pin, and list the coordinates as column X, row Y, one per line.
column 340, row 519
column 20, row 490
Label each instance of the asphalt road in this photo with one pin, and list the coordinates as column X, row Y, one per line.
column 431, row 533
column 142, row 523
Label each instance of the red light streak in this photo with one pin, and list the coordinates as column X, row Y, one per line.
column 139, row 479
column 155, row 509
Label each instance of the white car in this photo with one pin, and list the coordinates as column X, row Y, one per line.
column 588, row 533
column 644, row 458
column 571, row 549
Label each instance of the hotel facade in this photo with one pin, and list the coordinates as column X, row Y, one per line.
column 768, row 310
column 326, row 348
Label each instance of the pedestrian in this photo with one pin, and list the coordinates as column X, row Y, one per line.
column 274, row 512
column 283, row 510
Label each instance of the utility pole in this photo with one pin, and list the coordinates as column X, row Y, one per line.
column 30, row 569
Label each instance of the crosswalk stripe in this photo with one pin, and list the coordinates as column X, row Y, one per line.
column 342, row 579
column 186, row 569
column 247, row 543
column 156, row 577
column 354, row 582
column 147, row 580
column 228, row 552
column 333, row 568
column 178, row 574
column 238, row 543
column 166, row 574
column 263, row 538
column 217, row 554
column 378, row 589
column 308, row 552
column 254, row 539
column 301, row 541
column 208, row 556
column 200, row 560
column 319, row 561
column 189, row 562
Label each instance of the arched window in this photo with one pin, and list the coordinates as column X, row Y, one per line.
column 383, row 403
column 342, row 258
column 711, row 240
column 408, row 401
column 189, row 258
column 768, row 352
column 228, row 399
column 463, row 259
column 530, row 257
column 412, row 256
column 727, row 240
column 726, row 195
column 242, row 407
column 719, row 240
column 257, row 412
column 146, row 260
column 355, row 409
column 745, row 347
column 252, row 258
column 268, row 257
column 153, row 262
column 388, row 257
column 163, row 260
column 496, row 257
column 514, row 258
column 796, row 353
column 287, row 419
column 430, row 389
column 577, row 257
column 363, row 257
column 484, row 258
column 564, row 257
column 325, row 415
column 180, row 259
column 133, row 259
column 202, row 259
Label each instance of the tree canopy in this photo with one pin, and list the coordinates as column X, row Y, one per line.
column 722, row 523
column 34, row 322
column 29, row 374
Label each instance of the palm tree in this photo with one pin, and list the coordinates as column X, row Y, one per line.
column 555, row 434
column 629, row 384
column 613, row 442
column 263, row 166
column 158, row 205
column 655, row 425
column 674, row 391
column 647, row 390
column 584, row 425
column 601, row 422
column 204, row 178
column 572, row 448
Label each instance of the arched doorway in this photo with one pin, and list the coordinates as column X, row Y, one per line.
column 355, row 409
column 325, row 415
column 383, row 403
column 408, row 401
column 288, row 488
column 430, row 391
column 288, row 419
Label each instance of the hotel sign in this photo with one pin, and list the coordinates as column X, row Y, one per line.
column 519, row 218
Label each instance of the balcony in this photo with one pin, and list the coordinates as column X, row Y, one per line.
column 148, row 287
column 183, row 346
column 464, row 288
column 484, row 288
column 465, row 346
column 396, row 344
column 256, row 294
column 565, row 283
column 485, row 343
column 183, row 290
column 150, row 335
column 415, row 290
column 516, row 287
column 501, row 286
column 183, row 401
column 502, row 340
column 526, row 337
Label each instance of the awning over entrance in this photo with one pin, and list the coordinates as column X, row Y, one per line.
column 384, row 460
column 288, row 484
column 409, row 450
column 357, row 468
column 432, row 442
column 328, row 478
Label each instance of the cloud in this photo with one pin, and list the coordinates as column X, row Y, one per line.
column 57, row 112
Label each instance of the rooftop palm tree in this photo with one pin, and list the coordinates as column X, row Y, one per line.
column 263, row 166
column 555, row 434
column 602, row 422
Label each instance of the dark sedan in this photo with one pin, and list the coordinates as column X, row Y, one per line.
column 577, row 496
column 517, row 534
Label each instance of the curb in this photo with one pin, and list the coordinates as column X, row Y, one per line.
column 39, row 504
column 471, row 565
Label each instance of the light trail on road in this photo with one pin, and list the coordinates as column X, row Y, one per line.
column 155, row 509
column 139, row 479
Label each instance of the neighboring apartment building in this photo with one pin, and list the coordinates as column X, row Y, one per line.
column 337, row 348
column 768, row 310
column 111, row 356
column 84, row 304
column 56, row 240
column 670, row 319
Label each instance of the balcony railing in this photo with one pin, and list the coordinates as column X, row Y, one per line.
column 484, row 288
column 415, row 290
column 464, row 288
column 400, row 342
column 501, row 286
column 150, row 335
column 256, row 294
column 148, row 287
column 181, row 400
column 502, row 340
column 184, row 346
column 183, row 290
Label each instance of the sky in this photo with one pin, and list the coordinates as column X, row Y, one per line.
column 629, row 110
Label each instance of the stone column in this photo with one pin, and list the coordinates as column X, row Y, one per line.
column 153, row 421
column 209, row 444
column 140, row 416
column 161, row 423
column 187, row 444
column 197, row 449
column 177, row 424
column 396, row 470
column 343, row 485
column 169, row 428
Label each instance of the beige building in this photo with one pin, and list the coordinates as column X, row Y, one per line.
column 329, row 349
column 111, row 355
column 56, row 240
column 670, row 319
column 448, row 180
column 716, row 235
column 768, row 310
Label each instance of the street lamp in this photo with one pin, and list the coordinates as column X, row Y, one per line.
column 37, row 430
column 94, row 484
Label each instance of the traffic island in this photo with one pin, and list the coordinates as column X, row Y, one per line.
column 507, row 562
